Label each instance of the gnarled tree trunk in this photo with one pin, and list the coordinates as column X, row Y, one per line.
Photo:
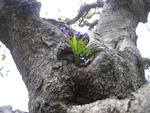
column 54, row 85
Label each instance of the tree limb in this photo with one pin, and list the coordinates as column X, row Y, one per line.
column 146, row 63
column 84, row 9
column 86, row 23
column 138, row 103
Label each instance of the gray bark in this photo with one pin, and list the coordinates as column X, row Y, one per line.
column 116, row 69
column 138, row 103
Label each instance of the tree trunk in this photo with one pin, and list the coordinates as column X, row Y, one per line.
column 54, row 85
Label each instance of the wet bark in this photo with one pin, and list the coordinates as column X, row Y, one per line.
column 54, row 85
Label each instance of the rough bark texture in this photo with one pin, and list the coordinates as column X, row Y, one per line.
column 138, row 103
column 54, row 85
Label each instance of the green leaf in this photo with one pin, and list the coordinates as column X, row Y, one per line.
column 88, row 52
column 79, row 48
column 75, row 44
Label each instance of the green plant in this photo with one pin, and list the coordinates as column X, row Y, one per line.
column 80, row 48
column 78, row 51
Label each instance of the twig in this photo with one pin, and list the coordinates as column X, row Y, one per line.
column 84, row 9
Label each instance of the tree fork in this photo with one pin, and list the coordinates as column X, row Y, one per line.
column 54, row 85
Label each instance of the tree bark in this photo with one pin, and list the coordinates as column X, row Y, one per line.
column 116, row 69
column 138, row 103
